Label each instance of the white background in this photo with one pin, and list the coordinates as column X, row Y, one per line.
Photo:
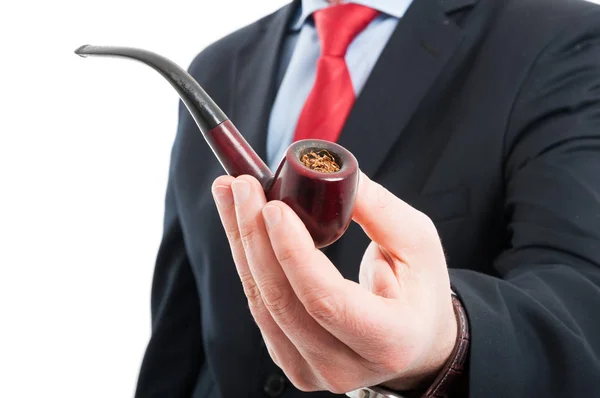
column 84, row 151
column 84, row 155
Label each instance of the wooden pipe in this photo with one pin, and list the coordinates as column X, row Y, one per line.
column 324, row 201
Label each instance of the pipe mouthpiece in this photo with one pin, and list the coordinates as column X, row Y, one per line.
column 81, row 51
column 203, row 109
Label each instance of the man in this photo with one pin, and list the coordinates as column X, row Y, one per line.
column 473, row 265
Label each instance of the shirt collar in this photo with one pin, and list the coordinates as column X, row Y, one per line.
column 394, row 8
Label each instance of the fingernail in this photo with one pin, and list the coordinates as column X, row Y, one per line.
column 241, row 190
column 223, row 196
column 272, row 215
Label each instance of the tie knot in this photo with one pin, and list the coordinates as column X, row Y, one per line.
column 338, row 25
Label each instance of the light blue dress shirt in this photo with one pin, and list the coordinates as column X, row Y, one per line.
column 301, row 50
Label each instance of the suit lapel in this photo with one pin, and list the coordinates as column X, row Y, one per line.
column 257, row 63
column 416, row 53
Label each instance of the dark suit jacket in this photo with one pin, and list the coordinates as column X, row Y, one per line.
column 485, row 115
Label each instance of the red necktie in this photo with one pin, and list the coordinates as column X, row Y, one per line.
column 332, row 96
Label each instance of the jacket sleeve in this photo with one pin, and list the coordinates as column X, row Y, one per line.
column 535, row 327
column 174, row 355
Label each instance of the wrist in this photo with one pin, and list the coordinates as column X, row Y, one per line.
column 449, row 379
column 452, row 376
column 439, row 355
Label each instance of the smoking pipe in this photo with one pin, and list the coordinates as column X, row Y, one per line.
column 323, row 200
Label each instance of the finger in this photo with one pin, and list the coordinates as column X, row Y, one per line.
column 321, row 350
column 379, row 273
column 283, row 352
column 391, row 222
column 358, row 318
column 223, row 197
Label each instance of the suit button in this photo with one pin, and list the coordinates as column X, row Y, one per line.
column 274, row 385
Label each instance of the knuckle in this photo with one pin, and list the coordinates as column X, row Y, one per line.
column 426, row 224
column 301, row 378
column 324, row 372
column 272, row 354
column 276, row 298
column 251, row 291
column 321, row 304
column 247, row 234
column 424, row 233
column 303, row 385
column 288, row 256
column 232, row 234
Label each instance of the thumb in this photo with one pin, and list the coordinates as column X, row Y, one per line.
column 391, row 222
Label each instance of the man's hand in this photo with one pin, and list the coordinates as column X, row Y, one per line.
column 397, row 327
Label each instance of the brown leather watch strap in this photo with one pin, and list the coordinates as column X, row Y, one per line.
column 454, row 369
